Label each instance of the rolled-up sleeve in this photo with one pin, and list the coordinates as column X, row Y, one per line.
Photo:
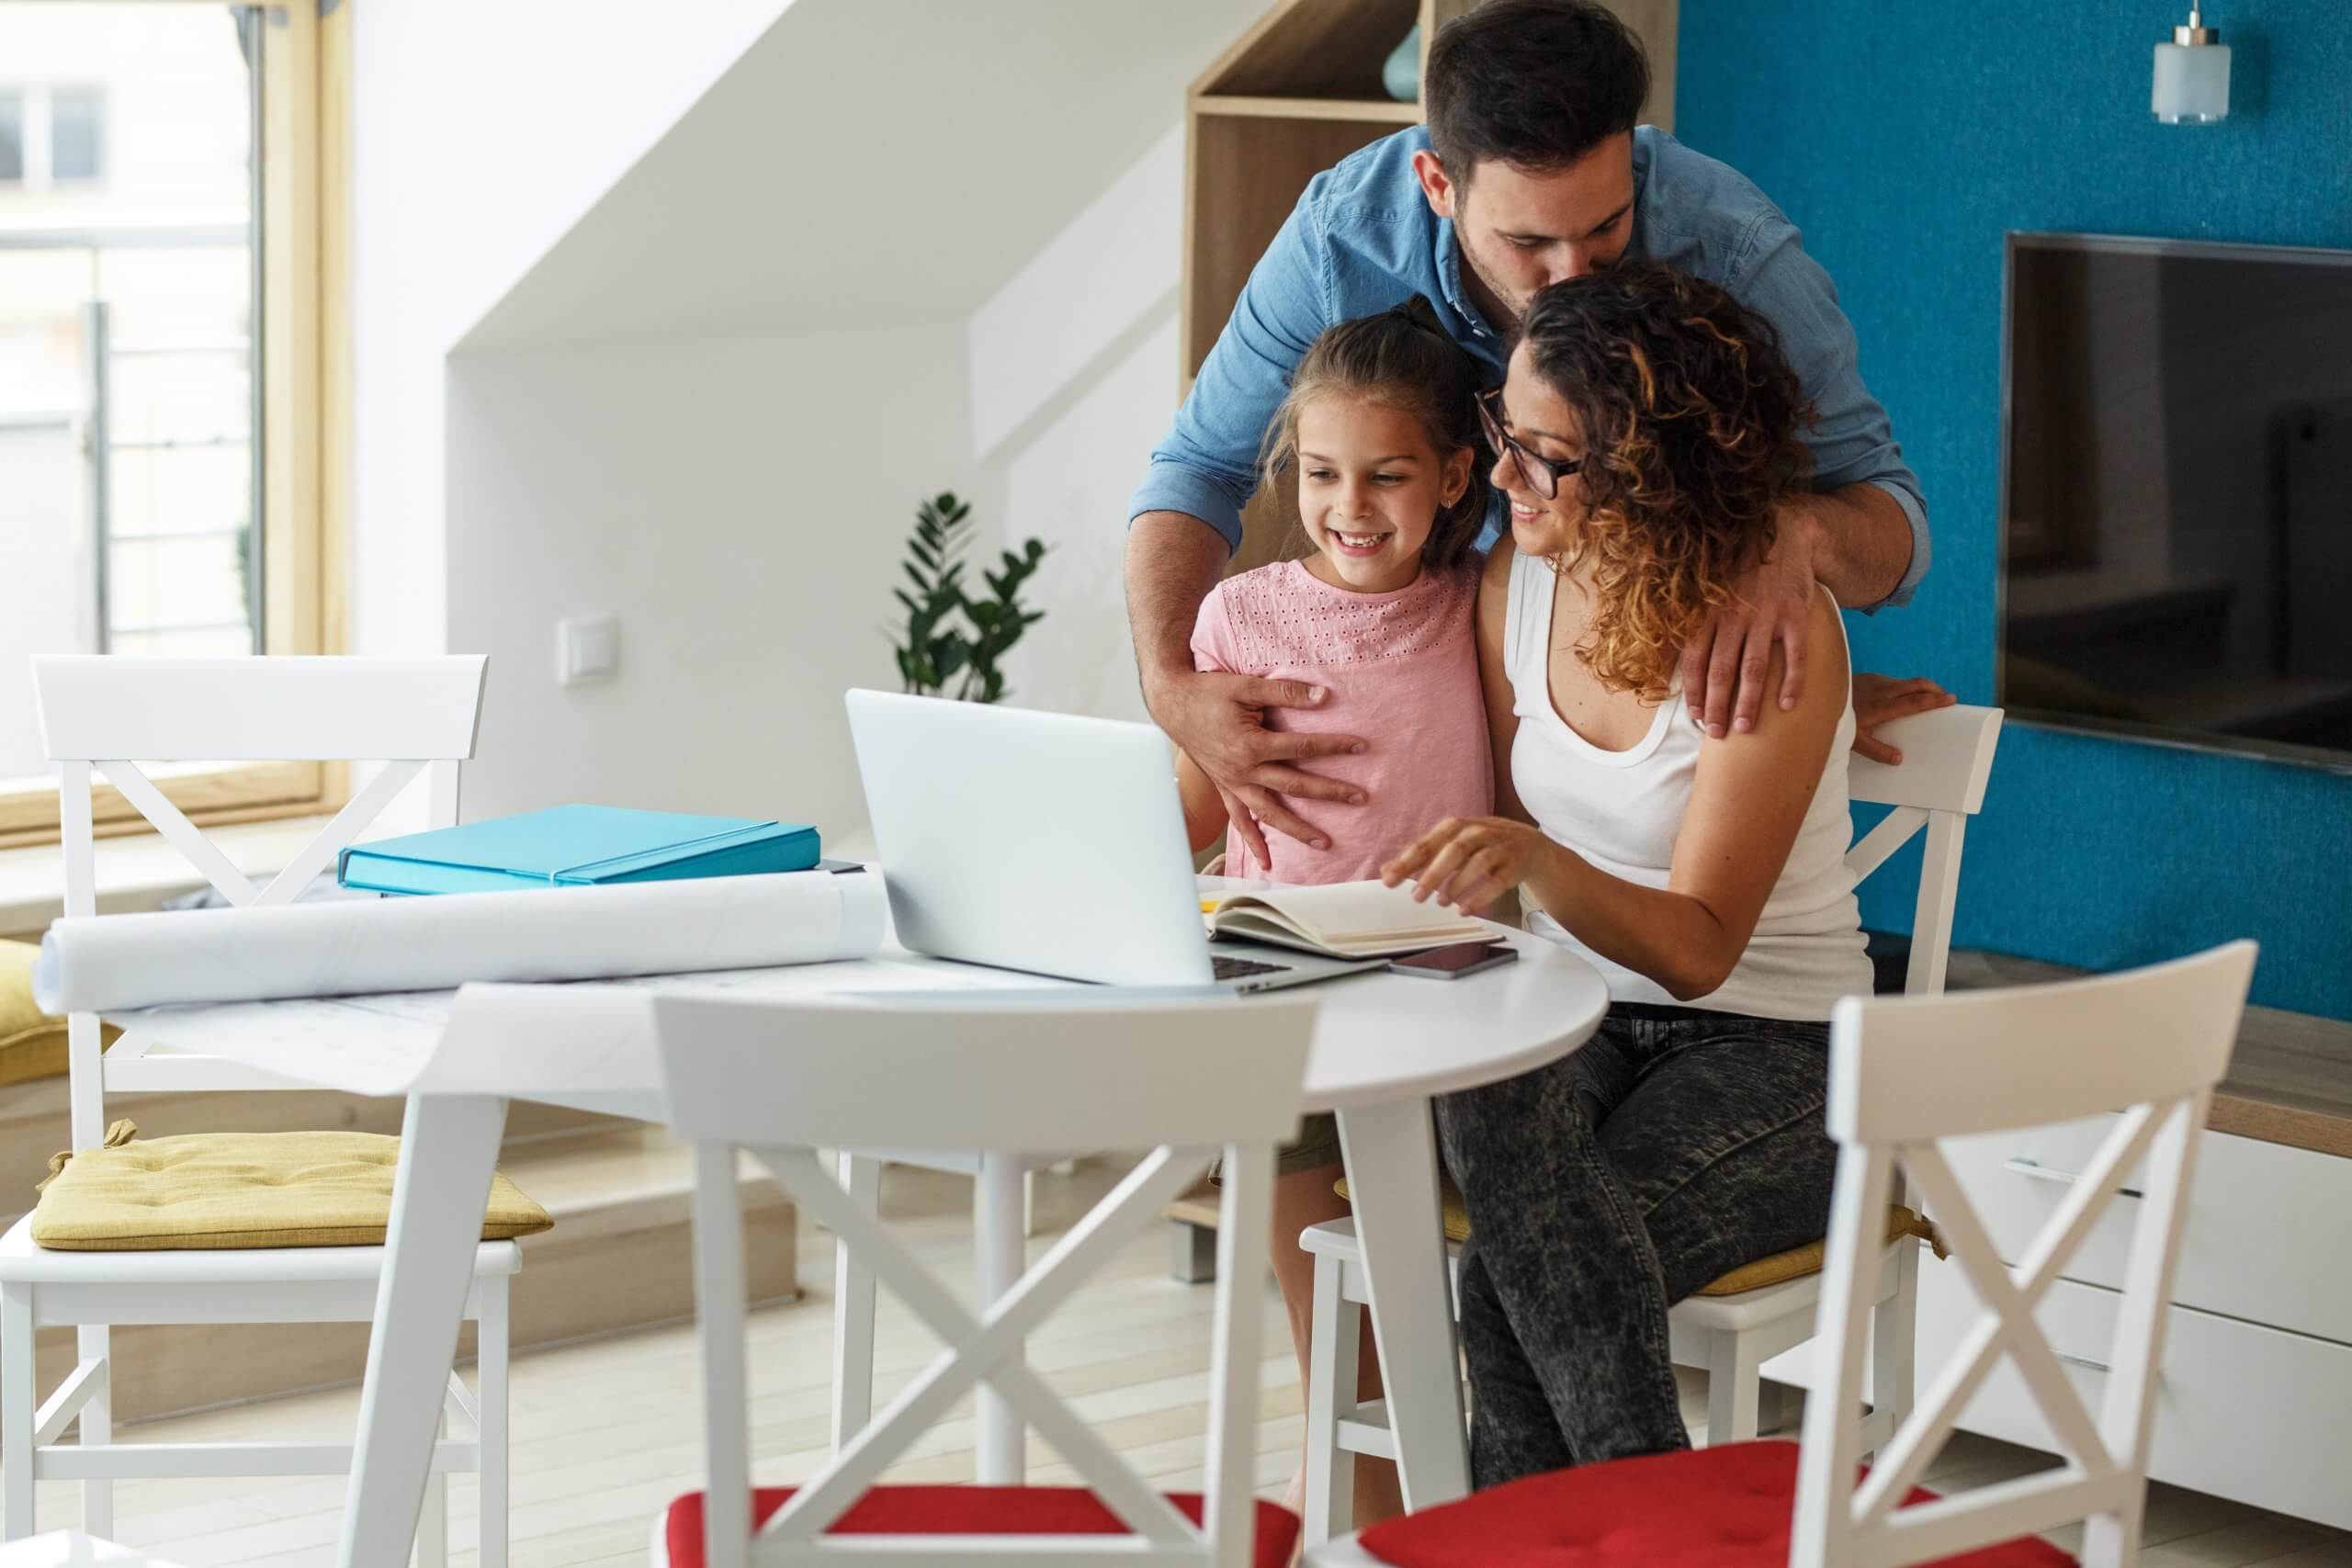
column 1207, row 464
column 1852, row 440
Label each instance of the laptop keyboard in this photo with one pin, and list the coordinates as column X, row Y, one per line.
column 1231, row 968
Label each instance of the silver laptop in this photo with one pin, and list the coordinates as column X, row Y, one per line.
column 1047, row 843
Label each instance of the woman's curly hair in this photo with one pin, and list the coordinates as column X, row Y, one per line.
column 1689, row 415
column 1403, row 358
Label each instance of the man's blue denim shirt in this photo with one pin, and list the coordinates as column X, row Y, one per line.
column 1362, row 239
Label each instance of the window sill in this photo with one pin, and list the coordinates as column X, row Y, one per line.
column 140, row 871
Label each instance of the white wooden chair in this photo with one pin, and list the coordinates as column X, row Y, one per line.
column 1181, row 1078
column 97, row 712
column 1003, row 1214
column 1947, row 759
column 1906, row 1074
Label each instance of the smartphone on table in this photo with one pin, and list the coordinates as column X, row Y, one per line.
column 1453, row 963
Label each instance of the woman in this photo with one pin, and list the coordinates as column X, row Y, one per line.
column 1646, row 432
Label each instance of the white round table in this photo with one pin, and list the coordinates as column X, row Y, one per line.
column 1385, row 1045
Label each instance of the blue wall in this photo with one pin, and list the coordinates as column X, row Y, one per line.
column 1905, row 137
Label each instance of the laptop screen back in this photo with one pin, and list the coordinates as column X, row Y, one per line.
column 1037, row 841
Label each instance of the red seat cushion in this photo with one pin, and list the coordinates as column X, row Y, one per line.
column 973, row 1510
column 1724, row 1507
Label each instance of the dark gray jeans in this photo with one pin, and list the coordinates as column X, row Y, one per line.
column 1674, row 1146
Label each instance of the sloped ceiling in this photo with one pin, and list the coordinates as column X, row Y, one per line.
column 868, row 159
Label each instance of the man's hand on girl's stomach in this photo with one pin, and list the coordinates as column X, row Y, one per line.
column 1219, row 721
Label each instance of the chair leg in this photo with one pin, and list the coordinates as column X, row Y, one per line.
column 95, row 1428
column 491, row 1330
column 1894, row 1326
column 1028, row 1204
column 1000, row 1255
column 1192, row 1253
column 1734, row 1372
column 2112, row 1541
column 17, row 1400
column 1335, row 1331
column 854, row 1311
column 432, row 1520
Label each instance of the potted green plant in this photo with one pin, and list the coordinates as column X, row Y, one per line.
column 952, row 635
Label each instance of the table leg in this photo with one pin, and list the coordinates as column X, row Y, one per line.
column 449, row 1150
column 1000, row 1459
column 1391, row 1154
column 853, row 1309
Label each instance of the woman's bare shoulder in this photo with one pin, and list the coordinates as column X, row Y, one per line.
column 1496, row 573
column 1494, row 581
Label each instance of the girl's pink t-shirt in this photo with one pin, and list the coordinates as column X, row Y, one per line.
column 1400, row 673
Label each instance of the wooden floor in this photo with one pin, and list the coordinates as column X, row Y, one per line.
column 605, row 1433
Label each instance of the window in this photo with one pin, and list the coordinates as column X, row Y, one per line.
column 51, row 135
column 167, row 308
column 12, row 137
column 77, row 134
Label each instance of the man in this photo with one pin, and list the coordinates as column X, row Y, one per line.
column 1532, row 170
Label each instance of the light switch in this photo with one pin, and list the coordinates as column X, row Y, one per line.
column 587, row 648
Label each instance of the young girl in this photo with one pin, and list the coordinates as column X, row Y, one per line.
column 1381, row 427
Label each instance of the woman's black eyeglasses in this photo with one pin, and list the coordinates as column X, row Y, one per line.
column 1542, row 474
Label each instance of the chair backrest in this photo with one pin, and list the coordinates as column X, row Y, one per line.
column 101, row 712
column 1180, row 1077
column 1906, row 1072
column 1938, row 786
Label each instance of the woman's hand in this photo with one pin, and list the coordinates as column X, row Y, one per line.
column 1467, row 862
column 1879, row 699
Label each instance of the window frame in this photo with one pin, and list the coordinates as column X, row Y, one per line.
column 23, row 96
column 305, row 362
column 98, row 140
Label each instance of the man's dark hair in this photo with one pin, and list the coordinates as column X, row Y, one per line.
column 1535, row 84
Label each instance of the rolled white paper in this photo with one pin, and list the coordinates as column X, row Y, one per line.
column 114, row 962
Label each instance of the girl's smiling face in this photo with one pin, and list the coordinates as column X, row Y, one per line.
column 1539, row 419
column 1370, row 487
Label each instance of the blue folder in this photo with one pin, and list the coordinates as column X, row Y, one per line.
column 576, row 846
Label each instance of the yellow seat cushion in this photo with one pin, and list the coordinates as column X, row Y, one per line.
column 1779, row 1268
column 229, row 1190
column 33, row 1044
column 1799, row 1261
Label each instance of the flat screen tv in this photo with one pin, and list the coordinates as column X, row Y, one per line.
column 2176, row 492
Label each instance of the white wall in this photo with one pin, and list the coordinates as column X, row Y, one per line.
column 871, row 160
column 480, row 134
column 600, row 368
column 740, row 504
column 1074, row 376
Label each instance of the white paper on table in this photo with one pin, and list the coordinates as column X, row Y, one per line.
column 114, row 962
column 359, row 1045
column 587, row 1037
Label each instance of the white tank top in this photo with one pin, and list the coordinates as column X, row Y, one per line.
column 1621, row 810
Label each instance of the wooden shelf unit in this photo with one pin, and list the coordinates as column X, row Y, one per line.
column 1295, row 94
column 1371, row 111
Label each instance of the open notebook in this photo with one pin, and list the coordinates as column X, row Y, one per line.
column 1347, row 919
